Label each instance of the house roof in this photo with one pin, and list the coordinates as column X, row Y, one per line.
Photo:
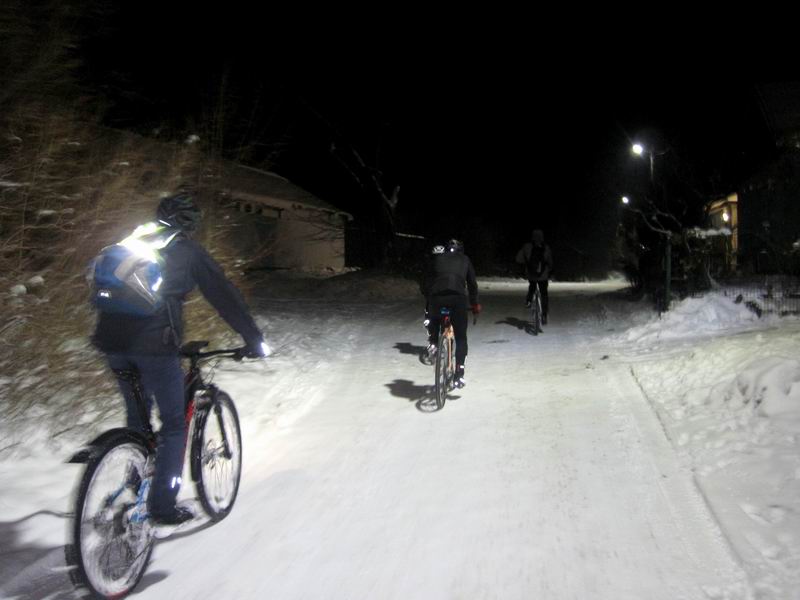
column 270, row 189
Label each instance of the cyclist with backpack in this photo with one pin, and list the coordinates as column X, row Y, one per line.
column 139, row 288
column 450, row 283
column 537, row 258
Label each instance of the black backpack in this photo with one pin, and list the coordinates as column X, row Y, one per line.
column 536, row 263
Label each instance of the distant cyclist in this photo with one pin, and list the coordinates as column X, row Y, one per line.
column 537, row 258
column 150, row 344
column 450, row 283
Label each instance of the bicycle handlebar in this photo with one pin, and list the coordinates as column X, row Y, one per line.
column 192, row 351
column 234, row 353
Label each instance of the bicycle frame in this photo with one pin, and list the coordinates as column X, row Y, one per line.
column 446, row 330
column 147, row 437
column 193, row 383
column 112, row 532
column 445, row 359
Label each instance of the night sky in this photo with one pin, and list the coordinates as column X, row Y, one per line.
column 475, row 135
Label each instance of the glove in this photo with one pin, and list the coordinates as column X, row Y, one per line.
column 259, row 350
column 476, row 309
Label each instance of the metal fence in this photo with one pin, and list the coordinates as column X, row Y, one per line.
column 765, row 294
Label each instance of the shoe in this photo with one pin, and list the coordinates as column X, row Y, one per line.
column 178, row 515
column 458, row 380
column 431, row 350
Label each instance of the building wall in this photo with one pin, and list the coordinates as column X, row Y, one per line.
column 309, row 245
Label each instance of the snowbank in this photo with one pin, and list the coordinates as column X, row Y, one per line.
column 713, row 313
column 728, row 396
column 772, row 385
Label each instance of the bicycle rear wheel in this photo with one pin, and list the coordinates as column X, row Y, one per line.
column 112, row 538
column 443, row 370
column 217, row 456
column 536, row 313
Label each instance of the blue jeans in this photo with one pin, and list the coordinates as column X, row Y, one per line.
column 162, row 379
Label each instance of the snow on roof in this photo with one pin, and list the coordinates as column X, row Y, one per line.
column 272, row 189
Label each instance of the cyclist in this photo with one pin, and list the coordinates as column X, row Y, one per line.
column 538, row 260
column 150, row 345
column 450, row 283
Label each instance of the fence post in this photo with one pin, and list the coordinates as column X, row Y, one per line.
column 668, row 270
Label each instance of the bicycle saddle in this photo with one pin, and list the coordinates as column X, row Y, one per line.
column 190, row 348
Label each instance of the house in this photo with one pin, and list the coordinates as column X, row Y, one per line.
column 723, row 214
column 280, row 225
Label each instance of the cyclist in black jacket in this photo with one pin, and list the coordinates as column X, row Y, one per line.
column 150, row 345
column 450, row 283
column 537, row 258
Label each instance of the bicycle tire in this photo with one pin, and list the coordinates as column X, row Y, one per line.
column 536, row 313
column 217, row 456
column 442, row 367
column 111, row 547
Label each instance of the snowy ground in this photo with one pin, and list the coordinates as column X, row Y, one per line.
column 616, row 456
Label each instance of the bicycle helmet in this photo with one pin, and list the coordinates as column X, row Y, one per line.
column 179, row 211
column 455, row 245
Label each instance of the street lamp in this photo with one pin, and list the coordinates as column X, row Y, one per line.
column 640, row 150
column 626, row 200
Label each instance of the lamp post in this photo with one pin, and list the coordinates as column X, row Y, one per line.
column 639, row 150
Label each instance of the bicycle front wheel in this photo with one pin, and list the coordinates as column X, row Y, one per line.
column 112, row 536
column 217, row 456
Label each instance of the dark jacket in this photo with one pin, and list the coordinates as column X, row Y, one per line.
column 186, row 265
column 451, row 273
column 540, row 268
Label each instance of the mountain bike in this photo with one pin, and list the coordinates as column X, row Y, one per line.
column 445, row 359
column 535, row 322
column 112, row 536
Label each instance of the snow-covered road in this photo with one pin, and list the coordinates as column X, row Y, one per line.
column 549, row 477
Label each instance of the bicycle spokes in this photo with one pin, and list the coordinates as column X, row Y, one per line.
column 218, row 456
column 113, row 538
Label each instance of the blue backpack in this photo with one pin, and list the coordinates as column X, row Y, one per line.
column 126, row 277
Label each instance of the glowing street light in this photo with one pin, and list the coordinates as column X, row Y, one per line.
column 626, row 200
column 637, row 149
